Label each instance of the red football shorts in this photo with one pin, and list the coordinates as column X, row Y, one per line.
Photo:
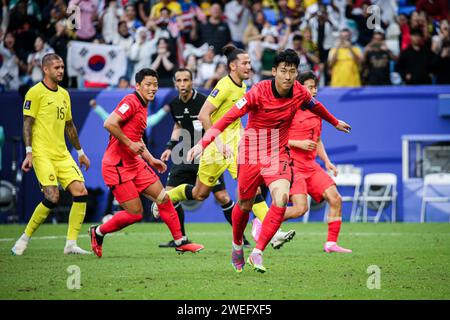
column 313, row 182
column 126, row 183
column 251, row 176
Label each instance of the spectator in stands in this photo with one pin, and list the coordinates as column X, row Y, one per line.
column 191, row 13
column 165, row 26
column 219, row 73
column 125, row 40
column 164, row 63
column 436, row 9
column 88, row 18
column 238, row 17
column 361, row 18
column 442, row 64
column 24, row 27
column 54, row 11
column 173, row 6
column 59, row 43
column 252, row 39
column 35, row 59
column 377, row 59
column 133, row 23
column 308, row 58
column 405, row 30
column 215, row 32
column 442, row 36
column 9, row 68
column 269, row 48
column 142, row 50
column 419, row 21
column 110, row 20
column 124, row 83
column 415, row 63
column 344, row 62
column 191, row 64
column 206, row 67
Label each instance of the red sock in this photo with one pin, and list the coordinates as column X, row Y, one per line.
column 333, row 230
column 239, row 220
column 119, row 221
column 170, row 217
column 270, row 225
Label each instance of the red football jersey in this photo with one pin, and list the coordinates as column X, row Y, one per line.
column 270, row 117
column 133, row 111
column 305, row 126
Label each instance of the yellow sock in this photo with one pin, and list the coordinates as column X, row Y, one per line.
column 76, row 217
column 260, row 210
column 178, row 193
column 39, row 215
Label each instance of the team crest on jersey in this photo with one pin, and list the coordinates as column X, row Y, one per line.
column 27, row 105
column 242, row 102
column 214, row 93
column 124, row 108
column 186, row 110
column 210, row 179
column 51, row 177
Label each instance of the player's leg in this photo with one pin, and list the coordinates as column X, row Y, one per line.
column 46, row 176
column 169, row 215
column 334, row 199
column 76, row 217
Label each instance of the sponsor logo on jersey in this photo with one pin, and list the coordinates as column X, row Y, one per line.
column 214, row 93
column 27, row 105
column 124, row 108
column 242, row 102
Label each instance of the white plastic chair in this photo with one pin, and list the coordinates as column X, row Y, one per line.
column 347, row 180
column 388, row 180
column 434, row 179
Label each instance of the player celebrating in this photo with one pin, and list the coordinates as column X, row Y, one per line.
column 222, row 156
column 47, row 116
column 185, row 109
column 125, row 171
column 272, row 105
column 309, row 177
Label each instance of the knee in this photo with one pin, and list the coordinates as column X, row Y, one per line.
column 53, row 197
column 300, row 210
column 200, row 195
column 335, row 200
column 222, row 198
column 281, row 199
column 245, row 206
column 138, row 211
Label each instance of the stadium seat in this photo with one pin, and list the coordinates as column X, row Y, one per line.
column 430, row 180
column 347, row 180
column 388, row 184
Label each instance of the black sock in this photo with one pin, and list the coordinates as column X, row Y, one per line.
column 180, row 212
column 227, row 210
column 188, row 192
column 259, row 198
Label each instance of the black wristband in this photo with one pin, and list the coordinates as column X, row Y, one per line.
column 171, row 144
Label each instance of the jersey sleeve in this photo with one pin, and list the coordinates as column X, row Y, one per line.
column 125, row 109
column 311, row 104
column 219, row 94
column 32, row 103
column 69, row 107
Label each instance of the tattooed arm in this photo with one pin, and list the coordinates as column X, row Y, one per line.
column 72, row 135
column 27, row 125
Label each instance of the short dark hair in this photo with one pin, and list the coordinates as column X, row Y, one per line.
column 288, row 56
column 308, row 75
column 183, row 70
column 416, row 32
column 48, row 58
column 146, row 72
column 297, row 37
column 231, row 52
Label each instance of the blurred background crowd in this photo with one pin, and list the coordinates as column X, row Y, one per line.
column 347, row 43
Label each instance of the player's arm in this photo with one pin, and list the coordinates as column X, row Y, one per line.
column 72, row 135
column 322, row 153
column 98, row 109
column 174, row 138
column 112, row 124
column 205, row 118
column 155, row 118
column 28, row 122
column 319, row 109
column 159, row 165
column 307, row 145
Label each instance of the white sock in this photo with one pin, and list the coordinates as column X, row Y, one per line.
column 179, row 241
column 257, row 251
column 24, row 237
column 97, row 231
column 71, row 243
column 236, row 246
column 329, row 243
column 184, row 238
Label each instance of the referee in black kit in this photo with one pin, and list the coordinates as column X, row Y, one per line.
column 185, row 109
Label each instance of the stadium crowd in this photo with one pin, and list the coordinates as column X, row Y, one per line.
column 347, row 43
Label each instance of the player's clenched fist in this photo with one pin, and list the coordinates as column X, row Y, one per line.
column 28, row 162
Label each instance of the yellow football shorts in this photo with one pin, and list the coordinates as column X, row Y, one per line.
column 50, row 172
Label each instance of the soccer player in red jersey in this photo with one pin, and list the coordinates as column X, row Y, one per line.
column 126, row 171
column 309, row 177
column 264, row 153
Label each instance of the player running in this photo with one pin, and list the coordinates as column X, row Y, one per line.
column 47, row 115
column 222, row 155
column 263, row 153
column 309, row 177
column 125, row 167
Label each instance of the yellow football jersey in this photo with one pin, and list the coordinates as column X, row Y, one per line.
column 50, row 109
column 224, row 95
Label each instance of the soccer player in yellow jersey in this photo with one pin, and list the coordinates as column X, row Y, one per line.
column 222, row 155
column 47, row 116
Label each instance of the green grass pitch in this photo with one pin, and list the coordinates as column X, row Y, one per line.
column 414, row 262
